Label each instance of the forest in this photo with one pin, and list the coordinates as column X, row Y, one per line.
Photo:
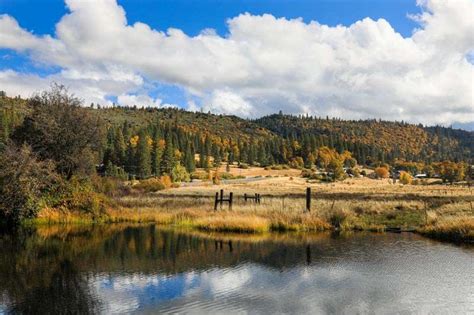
column 52, row 143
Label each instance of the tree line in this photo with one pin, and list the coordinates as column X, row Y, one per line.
column 52, row 148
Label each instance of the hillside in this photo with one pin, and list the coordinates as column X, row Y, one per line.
column 394, row 139
column 221, row 126
column 282, row 137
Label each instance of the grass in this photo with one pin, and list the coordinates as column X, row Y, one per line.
column 356, row 204
column 233, row 223
column 459, row 229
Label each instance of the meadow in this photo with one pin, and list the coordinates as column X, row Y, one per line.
column 430, row 208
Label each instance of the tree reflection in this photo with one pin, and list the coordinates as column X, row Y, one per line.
column 46, row 270
column 36, row 278
column 66, row 292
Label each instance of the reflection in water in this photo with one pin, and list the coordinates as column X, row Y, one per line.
column 144, row 269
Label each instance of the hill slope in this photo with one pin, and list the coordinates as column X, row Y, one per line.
column 398, row 139
column 369, row 140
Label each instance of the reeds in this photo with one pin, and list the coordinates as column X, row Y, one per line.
column 437, row 211
column 459, row 229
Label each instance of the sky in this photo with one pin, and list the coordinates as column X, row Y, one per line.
column 391, row 59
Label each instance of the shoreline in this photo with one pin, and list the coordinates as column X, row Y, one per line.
column 459, row 230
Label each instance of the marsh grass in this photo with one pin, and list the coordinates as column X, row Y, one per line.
column 460, row 229
column 344, row 206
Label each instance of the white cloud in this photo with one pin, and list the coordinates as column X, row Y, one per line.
column 138, row 100
column 227, row 102
column 265, row 64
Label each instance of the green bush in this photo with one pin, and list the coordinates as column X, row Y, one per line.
column 81, row 196
column 179, row 174
column 110, row 186
column 150, row 185
column 23, row 182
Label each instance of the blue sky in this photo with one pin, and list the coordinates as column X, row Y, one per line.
column 192, row 16
column 250, row 64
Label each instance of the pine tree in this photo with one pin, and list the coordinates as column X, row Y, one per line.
column 168, row 161
column 189, row 162
column 119, row 148
column 130, row 161
column 143, row 158
column 262, row 155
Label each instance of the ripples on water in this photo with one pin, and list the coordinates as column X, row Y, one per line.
column 119, row 269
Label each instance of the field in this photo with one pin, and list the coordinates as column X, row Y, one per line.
column 434, row 209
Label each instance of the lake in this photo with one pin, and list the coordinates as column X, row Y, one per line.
column 152, row 269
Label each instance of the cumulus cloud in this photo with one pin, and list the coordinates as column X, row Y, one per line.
column 140, row 100
column 222, row 101
column 265, row 64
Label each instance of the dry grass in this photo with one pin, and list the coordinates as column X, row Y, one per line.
column 355, row 204
column 459, row 229
column 233, row 223
column 259, row 171
column 279, row 186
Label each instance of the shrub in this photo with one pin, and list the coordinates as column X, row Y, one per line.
column 179, row 174
column 337, row 218
column 381, row 172
column 243, row 166
column 23, row 182
column 78, row 194
column 405, row 178
column 166, row 181
column 88, row 202
column 110, row 186
column 151, row 185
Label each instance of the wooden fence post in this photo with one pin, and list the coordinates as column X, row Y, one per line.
column 216, row 201
column 308, row 199
column 245, row 197
column 222, row 197
column 231, row 195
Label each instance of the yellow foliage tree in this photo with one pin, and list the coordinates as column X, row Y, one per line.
column 405, row 178
column 381, row 172
column 134, row 141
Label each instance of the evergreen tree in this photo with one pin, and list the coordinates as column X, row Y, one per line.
column 168, row 161
column 119, row 148
column 143, row 158
column 189, row 162
column 130, row 161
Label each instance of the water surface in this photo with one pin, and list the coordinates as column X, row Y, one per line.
column 149, row 269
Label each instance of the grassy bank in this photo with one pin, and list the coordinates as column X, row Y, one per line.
column 456, row 229
column 438, row 211
column 271, row 216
